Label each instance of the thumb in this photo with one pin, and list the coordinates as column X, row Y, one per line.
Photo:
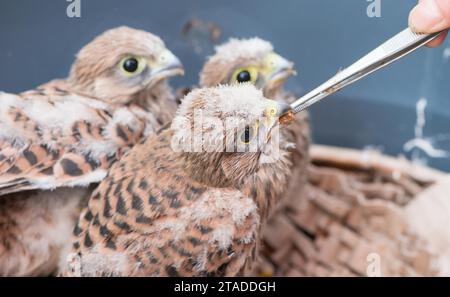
column 430, row 16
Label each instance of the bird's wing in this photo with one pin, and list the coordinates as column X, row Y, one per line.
column 218, row 236
column 50, row 137
column 190, row 242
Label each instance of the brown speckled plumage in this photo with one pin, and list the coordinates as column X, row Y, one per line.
column 67, row 133
column 164, row 212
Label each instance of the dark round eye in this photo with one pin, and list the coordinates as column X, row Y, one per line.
column 247, row 135
column 243, row 76
column 130, row 65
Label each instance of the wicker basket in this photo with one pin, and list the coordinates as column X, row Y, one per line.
column 351, row 219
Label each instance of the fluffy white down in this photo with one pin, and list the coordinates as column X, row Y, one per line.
column 243, row 48
column 63, row 114
column 229, row 106
column 242, row 99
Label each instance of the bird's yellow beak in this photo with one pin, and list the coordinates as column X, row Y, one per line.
column 271, row 118
column 276, row 70
column 166, row 65
column 274, row 111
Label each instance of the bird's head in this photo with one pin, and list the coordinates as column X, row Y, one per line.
column 230, row 129
column 120, row 63
column 247, row 60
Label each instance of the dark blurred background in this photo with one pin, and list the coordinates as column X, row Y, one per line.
column 39, row 41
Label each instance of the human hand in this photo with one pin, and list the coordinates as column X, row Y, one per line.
column 430, row 16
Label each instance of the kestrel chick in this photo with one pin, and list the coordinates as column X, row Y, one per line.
column 250, row 60
column 180, row 204
column 67, row 133
column 255, row 61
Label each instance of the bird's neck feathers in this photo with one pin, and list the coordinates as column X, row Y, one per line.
column 158, row 99
column 263, row 182
column 205, row 168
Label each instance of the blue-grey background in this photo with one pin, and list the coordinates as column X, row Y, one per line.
column 38, row 43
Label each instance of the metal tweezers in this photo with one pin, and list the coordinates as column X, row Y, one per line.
column 398, row 46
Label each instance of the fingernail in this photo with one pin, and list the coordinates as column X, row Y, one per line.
column 425, row 17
